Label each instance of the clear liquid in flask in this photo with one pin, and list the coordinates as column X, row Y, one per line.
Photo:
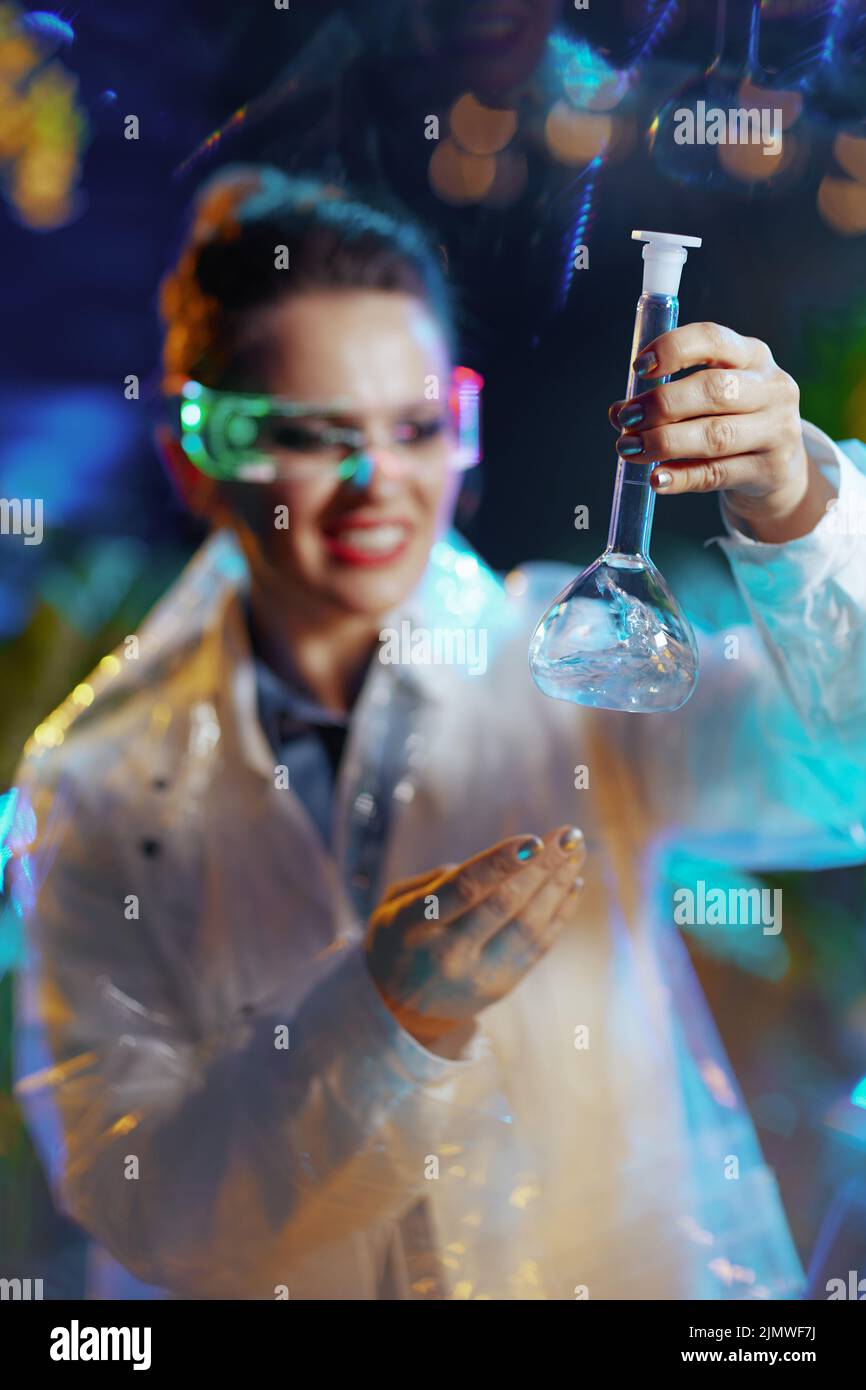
column 616, row 638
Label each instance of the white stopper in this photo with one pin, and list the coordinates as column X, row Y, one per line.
column 664, row 257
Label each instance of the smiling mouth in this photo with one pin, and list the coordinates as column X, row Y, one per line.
column 368, row 543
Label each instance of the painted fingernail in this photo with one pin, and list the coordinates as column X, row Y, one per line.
column 630, row 415
column 663, row 478
column 570, row 839
column 529, row 849
column 629, row 444
column 646, row 363
column 575, row 888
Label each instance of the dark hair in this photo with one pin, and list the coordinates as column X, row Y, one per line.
column 227, row 263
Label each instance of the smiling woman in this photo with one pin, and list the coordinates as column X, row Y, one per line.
column 325, row 803
column 339, row 317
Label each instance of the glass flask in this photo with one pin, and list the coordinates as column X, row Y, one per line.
column 616, row 638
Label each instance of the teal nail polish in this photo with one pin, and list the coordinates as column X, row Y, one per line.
column 631, row 415
column 630, row 444
column 646, row 363
column 528, row 849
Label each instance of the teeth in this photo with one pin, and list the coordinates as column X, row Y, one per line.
column 373, row 538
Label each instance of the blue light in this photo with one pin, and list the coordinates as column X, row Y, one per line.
column 579, row 229
column 8, row 803
column 829, row 46
column 583, row 70
column 858, row 1095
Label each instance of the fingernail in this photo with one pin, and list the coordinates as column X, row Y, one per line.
column 630, row 415
column 570, row 839
column 646, row 363
column 529, row 849
column 663, row 478
column 575, row 888
column 629, row 444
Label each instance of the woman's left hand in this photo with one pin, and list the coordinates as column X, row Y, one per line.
column 733, row 427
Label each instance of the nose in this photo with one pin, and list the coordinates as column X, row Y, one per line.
column 378, row 470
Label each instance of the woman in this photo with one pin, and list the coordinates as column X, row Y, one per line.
column 327, row 996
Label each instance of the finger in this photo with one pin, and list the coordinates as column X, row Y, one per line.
column 696, row 475
column 566, row 856
column 459, row 886
column 563, row 917
column 495, row 917
column 482, row 913
column 697, row 344
column 401, row 886
column 711, row 437
column 521, row 942
column 715, row 391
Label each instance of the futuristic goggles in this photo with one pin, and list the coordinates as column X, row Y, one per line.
column 244, row 437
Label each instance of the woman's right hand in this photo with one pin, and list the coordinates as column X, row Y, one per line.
column 445, row 944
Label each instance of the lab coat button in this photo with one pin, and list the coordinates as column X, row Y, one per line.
column 365, row 805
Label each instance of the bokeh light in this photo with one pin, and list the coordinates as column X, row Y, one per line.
column 755, row 163
column 588, row 79
column 481, row 129
column 509, row 180
column 576, row 137
column 768, row 98
column 459, row 177
column 842, row 203
column 42, row 128
column 850, row 151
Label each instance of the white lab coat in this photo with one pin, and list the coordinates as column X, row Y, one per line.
column 220, row 1096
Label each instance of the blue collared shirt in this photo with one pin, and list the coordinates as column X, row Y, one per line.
column 306, row 738
column 309, row 740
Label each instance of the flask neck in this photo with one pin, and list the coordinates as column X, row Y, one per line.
column 634, row 499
